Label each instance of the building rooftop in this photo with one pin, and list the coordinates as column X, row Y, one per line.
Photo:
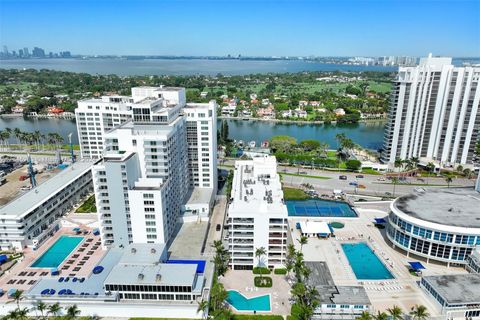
column 144, row 253
column 162, row 274
column 256, row 187
column 30, row 200
column 322, row 279
column 199, row 196
column 456, row 207
column 457, row 288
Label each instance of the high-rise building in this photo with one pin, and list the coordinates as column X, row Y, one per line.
column 38, row 52
column 26, row 53
column 157, row 151
column 434, row 113
column 257, row 215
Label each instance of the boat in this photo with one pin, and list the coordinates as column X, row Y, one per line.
column 265, row 144
column 252, row 144
column 240, row 143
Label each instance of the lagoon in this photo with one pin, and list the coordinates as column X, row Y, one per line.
column 368, row 135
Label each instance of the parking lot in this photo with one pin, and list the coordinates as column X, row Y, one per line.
column 12, row 187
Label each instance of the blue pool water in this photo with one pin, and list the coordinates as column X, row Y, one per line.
column 241, row 303
column 365, row 263
column 320, row 208
column 60, row 250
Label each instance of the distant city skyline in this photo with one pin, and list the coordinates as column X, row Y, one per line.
column 249, row 28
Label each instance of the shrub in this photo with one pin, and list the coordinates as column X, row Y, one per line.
column 280, row 271
column 261, row 270
column 263, row 282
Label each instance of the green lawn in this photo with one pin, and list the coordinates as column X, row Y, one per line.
column 294, row 194
column 304, row 175
column 88, row 206
column 371, row 171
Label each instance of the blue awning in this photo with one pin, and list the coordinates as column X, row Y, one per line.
column 380, row 220
column 416, row 265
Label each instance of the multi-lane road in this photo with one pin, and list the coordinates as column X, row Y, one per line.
column 375, row 185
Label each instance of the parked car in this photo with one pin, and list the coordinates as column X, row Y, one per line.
column 359, row 176
column 218, row 227
column 343, row 177
column 381, row 179
column 26, row 188
column 362, row 186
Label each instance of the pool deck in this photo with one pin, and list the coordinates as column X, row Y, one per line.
column 79, row 263
column 241, row 280
column 402, row 291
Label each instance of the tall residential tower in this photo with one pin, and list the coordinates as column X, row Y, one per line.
column 157, row 152
column 434, row 113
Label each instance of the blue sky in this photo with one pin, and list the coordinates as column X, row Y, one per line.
column 320, row 28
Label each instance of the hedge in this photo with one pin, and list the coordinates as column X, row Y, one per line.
column 261, row 270
column 263, row 282
column 280, row 271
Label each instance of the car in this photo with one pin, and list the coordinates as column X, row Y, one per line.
column 388, row 194
column 359, row 176
column 26, row 188
column 362, row 186
column 353, row 183
column 381, row 179
column 343, row 177
column 218, row 227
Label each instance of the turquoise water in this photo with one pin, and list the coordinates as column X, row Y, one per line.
column 55, row 255
column 241, row 303
column 319, row 208
column 365, row 263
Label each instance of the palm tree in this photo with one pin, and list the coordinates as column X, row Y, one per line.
column 36, row 136
column 419, row 312
column 259, row 252
column 55, row 309
column 365, row 316
column 17, row 133
column 303, row 240
column 72, row 312
column 448, row 180
column 380, row 316
column 41, row 307
column 11, row 315
column 16, row 297
column 202, row 307
column 395, row 312
column 394, row 182
column 22, row 314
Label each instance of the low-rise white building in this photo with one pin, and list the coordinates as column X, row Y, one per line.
column 32, row 218
column 229, row 110
column 257, row 215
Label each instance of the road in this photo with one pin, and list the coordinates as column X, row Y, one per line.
column 372, row 183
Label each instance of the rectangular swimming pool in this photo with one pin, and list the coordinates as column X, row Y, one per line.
column 320, row 208
column 58, row 252
column 365, row 263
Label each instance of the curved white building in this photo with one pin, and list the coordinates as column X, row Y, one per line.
column 438, row 224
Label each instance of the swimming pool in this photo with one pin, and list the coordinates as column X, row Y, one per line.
column 320, row 208
column 365, row 263
column 58, row 252
column 241, row 303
